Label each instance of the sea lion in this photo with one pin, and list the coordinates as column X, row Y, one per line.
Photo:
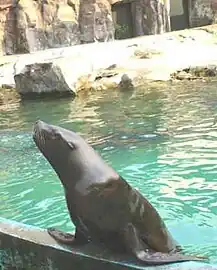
column 102, row 205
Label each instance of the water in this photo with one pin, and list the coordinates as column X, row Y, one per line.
column 163, row 140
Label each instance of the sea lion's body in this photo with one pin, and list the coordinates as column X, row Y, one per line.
column 102, row 205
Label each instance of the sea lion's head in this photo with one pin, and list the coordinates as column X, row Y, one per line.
column 66, row 151
column 72, row 158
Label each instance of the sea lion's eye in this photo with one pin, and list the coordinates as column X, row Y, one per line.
column 71, row 145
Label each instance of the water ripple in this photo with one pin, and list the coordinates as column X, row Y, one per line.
column 162, row 140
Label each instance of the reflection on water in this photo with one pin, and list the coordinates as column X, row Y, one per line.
column 163, row 140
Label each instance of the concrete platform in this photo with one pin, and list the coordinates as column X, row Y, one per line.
column 27, row 247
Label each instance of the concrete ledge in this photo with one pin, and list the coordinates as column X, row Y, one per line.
column 27, row 247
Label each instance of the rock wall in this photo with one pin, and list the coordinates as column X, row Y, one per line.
column 95, row 21
column 36, row 25
column 202, row 12
column 151, row 17
column 31, row 25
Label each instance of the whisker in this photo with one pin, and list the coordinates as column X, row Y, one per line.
column 39, row 136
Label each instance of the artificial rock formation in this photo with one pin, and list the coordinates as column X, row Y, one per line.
column 95, row 21
column 31, row 25
column 41, row 78
column 202, row 12
column 35, row 25
column 125, row 65
column 155, row 16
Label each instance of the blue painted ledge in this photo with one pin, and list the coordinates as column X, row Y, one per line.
column 27, row 247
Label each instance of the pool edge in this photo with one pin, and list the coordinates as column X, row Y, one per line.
column 29, row 247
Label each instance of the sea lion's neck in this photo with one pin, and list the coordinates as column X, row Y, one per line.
column 65, row 178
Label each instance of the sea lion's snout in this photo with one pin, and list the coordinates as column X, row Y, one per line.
column 40, row 125
column 37, row 133
column 43, row 132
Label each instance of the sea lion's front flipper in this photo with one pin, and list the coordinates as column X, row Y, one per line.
column 60, row 236
column 136, row 246
column 67, row 238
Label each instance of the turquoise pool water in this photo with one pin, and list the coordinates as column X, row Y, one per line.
column 163, row 140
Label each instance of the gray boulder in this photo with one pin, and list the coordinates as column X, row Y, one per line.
column 41, row 78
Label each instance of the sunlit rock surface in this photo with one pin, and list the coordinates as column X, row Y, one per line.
column 119, row 64
column 28, row 25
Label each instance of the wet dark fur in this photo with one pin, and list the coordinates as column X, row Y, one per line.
column 102, row 205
